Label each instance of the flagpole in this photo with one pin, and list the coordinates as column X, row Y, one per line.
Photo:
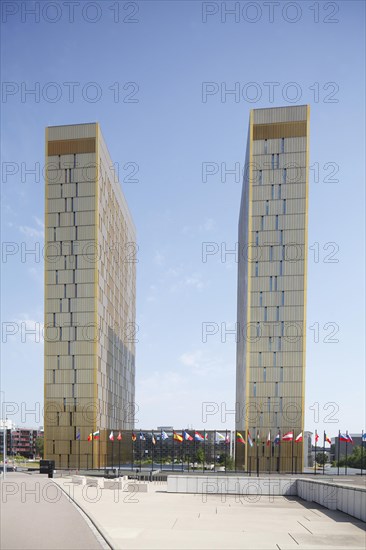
column 324, row 453
column 214, row 451
column 292, row 452
column 257, row 455
column 119, row 455
column 279, row 452
column 132, row 449
column 183, row 449
column 362, row 452
column 345, row 471
column 79, row 453
column 339, row 441
column 204, row 450
column 152, row 450
column 161, row 450
column 316, row 435
column 173, row 452
column 112, row 452
column 140, row 451
column 92, row 435
column 99, row 451
column 225, row 450
column 249, row 454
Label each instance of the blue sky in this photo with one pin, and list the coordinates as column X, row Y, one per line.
column 144, row 82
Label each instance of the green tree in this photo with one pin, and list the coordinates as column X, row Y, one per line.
column 200, row 456
column 229, row 461
column 355, row 459
column 321, row 458
column 40, row 446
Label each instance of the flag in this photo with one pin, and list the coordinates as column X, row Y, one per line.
column 164, row 436
column 78, row 436
column 350, row 440
column 198, row 436
column 90, row 437
column 177, row 437
column 327, row 439
column 187, row 436
column 133, row 436
column 240, row 438
column 96, row 434
column 250, row 441
column 298, row 438
column 227, row 439
column 316, row 437
column 142, row 437
column 119, row 436
column 111, row 436
column 258, row 438
column 277, row 439
column 288, row 437
column 345, row 437
column 364, row 437
column 153, row 440
column 268, row 439
column 219, row 437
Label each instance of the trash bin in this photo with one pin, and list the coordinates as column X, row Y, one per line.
column 47, row 467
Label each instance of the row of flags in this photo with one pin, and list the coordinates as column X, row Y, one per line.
column 219, row 437
column 180, row 437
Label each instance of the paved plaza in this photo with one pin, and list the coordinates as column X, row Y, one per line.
column 35, row 513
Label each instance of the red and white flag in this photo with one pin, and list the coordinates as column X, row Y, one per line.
column 316, row 437
column 298, row 438
column 268, row 439
column 111, row 436
column 288, row 437
column 119, row 436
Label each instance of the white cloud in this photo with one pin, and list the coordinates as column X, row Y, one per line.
column 208, row 225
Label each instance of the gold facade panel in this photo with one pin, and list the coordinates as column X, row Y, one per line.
column 279, row 130
column 71, row 146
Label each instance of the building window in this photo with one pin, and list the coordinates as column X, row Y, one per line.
column 275, row 359
column 262, row 223
column 279, row 344
column 284, row 175
column 276, row 389
column 277, row 313
column 258, row 329
column 282, row 145
column 271, row 253
column 281, row 404
column 254, row 389
column 281, row 374
column 267, row 208
column 278, row 160
column 281, row 267
column 279, row 191
column 282, row 328
column 272, row 161
column 265, row 313
column 277, row 221
column 275, row 283
column 60, row 305
column 256, row 238
column 283, row 252
column 281, row 236
column 283, row 298
column 260, row 359
column 270, row 343
column 265, row 146
column 272, row 191
column 256, row 269
column 264, row 374
column 269, row 404
column 284, row 206
column 261, row 298
column 260, row 175
column 270, row 283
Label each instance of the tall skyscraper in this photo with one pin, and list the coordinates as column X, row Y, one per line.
column 90, row 283
column 270, row 369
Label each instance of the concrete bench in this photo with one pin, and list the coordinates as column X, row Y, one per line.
column 79, row 480
column 95, row 482
column 115, row 484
